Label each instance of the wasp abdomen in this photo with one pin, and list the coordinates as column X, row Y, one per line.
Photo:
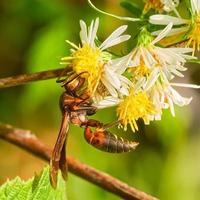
column 106, row 141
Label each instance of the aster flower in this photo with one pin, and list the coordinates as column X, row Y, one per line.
column 152, row 69
column 161, row 5
column 149, row 61
column 103, row 74
column 130, row 108
column 133, row 107
column 164, row 96
column 189, row 28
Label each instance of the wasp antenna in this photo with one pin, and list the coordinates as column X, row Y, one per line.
column 65, row 81
column 59, row 80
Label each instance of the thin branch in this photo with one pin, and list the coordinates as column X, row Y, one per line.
column 27, row 78
column 28, row 141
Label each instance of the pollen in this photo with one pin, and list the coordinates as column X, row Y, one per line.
column 153, row 4
column 194, row 36
column 88, row 60
column 140, row 70
column 133, row 107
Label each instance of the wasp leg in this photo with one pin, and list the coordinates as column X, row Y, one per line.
column 110, row 125
column 92, row 123
column 56, row 154
column 90, row 110
column 59, row 80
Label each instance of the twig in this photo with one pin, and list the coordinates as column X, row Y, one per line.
column 38, row 76
column 26, row 140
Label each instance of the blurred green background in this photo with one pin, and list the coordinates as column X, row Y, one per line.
column 32, row 38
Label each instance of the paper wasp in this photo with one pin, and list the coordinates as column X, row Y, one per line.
column 76, row 106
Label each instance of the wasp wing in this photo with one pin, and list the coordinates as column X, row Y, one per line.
column 58, row 159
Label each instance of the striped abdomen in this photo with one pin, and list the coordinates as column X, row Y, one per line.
column 105, row 141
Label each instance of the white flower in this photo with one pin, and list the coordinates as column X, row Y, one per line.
column 190, row 28
column 112, row 77
column 164, row 96
column 161, row 5
column 151, row 61
column 88, row 35
column 170, row 5
column 136, row 105
column 95, row 64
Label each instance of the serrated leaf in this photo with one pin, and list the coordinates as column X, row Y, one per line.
column 37, row 188
column 132, row 8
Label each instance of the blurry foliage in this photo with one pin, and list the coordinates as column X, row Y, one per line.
column 32, row 36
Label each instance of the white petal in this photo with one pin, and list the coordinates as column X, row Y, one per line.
column 114, row 35
column 149, row 57
column 177, row 73
column 135, row 57
column 174, row 31
column 198, row 5
column 125, row 80
column 194, row 5
column 119, row 65
column 145, row 56
column 166, row 19
column 106, row 102
column 109, row 87
column 164, row 33
column 181, row 50
column 140, row 83
column 112, row 78
column 83, row 32
column 152, row 79
column 186, row 85
column 171, row 106
column 124, row 91
column 90, row 31
column 178, row 99
column 94, row 32
column 115, row 41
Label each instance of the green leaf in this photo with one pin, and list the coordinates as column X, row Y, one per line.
column 132, row 8
column 37, row 188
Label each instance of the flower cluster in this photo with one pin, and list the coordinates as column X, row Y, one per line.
column 187, row 29
column 141, row 83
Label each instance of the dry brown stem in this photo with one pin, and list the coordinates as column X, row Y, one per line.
column 27, row 78
column 28, row 141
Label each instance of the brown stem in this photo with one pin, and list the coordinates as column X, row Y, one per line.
column 28, row 141
column 38, row 76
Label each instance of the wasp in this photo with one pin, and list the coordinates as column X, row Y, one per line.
column 76, row 106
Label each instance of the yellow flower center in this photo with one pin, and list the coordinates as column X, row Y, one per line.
column 140, row 70
column 133, row 107
column 194, row 35
column 88, row 60
column 153, row 4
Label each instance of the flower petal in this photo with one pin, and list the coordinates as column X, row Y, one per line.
column 166, row 19
column 114, row 36
column 163, row 33
column 83, row 32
